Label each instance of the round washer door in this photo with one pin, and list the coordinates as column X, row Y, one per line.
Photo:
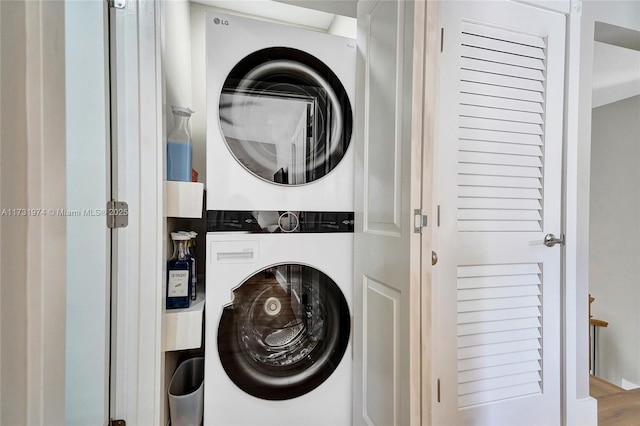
column 285, row 332
column 285, row 116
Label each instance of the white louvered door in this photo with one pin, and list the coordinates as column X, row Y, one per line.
column 498, row 167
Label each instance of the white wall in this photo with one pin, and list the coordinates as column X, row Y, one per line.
column 13, row 194
column 614, row 269
column 198, row 58
column 32, row 176
column 579, row 94
column 176, row 62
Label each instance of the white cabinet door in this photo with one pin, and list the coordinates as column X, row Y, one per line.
column 388, row 152
column 499, row 159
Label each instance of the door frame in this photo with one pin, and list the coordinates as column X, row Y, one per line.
column 581, row 408
column 428, row 18
column 137, row 357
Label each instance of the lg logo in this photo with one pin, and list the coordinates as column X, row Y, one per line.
column 219, row 21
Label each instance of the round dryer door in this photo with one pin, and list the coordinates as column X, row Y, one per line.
column 285, row 332
column 285, row 116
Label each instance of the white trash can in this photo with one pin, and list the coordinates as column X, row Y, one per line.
column 186, row 393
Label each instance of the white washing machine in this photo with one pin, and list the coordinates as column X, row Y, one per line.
column 278, row 329
column 279, row 117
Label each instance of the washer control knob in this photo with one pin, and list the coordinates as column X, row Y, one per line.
column 288, row 222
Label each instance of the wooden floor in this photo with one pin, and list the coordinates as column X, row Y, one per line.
column 616, row 406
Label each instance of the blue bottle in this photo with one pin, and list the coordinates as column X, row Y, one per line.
column 179, row 273
column 179, row 151
column 192, row 260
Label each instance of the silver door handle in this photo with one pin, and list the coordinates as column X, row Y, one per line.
column 550, row 240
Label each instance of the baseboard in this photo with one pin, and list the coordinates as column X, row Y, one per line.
column 627, row 385
column 586, row 412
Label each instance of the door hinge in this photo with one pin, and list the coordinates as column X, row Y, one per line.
column 118, row 4
column 438, row 391
column 117, row 214
column 117, row 423
column 419, row 221
column 441, row 39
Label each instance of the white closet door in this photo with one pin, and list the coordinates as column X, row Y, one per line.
column 499, row 159
column 388, row 183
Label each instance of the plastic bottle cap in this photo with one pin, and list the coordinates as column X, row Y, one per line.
column 177, row 236
column 183, row 111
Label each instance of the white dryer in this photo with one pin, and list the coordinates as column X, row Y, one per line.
column 278, row 329
column 279, row 117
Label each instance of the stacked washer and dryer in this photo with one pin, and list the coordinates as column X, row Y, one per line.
column 280, row 174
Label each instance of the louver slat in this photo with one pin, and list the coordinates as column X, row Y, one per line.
column 504, row 159
column 489, row 327
column 499, row 383
column 502, row 314
column 505, row 35
column 499, row 281
column 500, row 102
column 493, row 136
column 499, row 181
column 500, row 148
column 478, row 214
column 507, row 336
column 502, row 46
column 502, row 69
column 498, row 348
column 498, row 203
column 494, row 304
column 499, row 125
column 498, row 394
column 498, row 270
column 491, row 372
column 498, row 226
column 510, row 93
column 484, row 192
column 500, row 57
column 501, row 80
column 499, row 293
column 499, row 331
column 498, row 114
column 498, row 170
column 499, row 361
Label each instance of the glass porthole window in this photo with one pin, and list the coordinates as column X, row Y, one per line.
column 285, row 116
column 285, row 332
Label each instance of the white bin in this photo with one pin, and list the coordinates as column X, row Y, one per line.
column 186, row 393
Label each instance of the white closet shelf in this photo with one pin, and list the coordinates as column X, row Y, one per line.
column 183, row 327
column 183, row 199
